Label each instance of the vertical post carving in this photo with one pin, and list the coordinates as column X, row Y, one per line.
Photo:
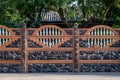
column 75, row 47
column 23, row 48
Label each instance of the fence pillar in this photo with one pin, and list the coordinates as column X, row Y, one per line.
column 75, row 47
column 24, row 48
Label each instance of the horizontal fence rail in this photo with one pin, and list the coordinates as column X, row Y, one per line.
column 54, row 49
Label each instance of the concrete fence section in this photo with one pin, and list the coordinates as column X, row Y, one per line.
column 54, row 49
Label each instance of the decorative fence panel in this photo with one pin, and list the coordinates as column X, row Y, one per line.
column 10, row 49
column 50, row 49
column 54, row 49
column 99, row 49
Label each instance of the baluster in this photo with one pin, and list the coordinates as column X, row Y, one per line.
column 101, row 31
column 43, row 32
column 5, row 32
column 6, row 39
column 104, row 42
column 49, row 31
column 0, row 31
column 3, row 40
column 107, row 41
column 54, row 31
column 98, row 42
column 0, row 42
column 46, row 31
column 58, row 32
column 53, row 43
column 98, row 31
column 92, row 43
column 110, row 32
column 47, row 42
column 43, row 40
column 59, row 40
column 101, row 43
column 56, row 40
column 104, row 31
column 107, row 32
column 88, row 42
column 39, row 33
column 110, row 40
column 95, row 32
column 92, row 32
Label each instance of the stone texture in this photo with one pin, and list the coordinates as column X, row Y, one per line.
column 9, row 68
column 9, row 55
column 67, row 44
column 100, row 55
column 15, row 44
column 17, row 32
column 82, row 32
column 116, row 44
column 69, row 32
column 50, row 55
column 33, row 68
column 83, row 43
column 30, row 32
column 100, row 68
column 32, row 44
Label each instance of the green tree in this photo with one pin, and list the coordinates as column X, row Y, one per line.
column 15, row 12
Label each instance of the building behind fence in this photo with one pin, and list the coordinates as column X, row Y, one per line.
column 54, row 49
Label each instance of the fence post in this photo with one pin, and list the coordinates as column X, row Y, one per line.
column 23, row 48
column 75, row 47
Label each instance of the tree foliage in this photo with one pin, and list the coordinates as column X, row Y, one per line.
column 15, row 12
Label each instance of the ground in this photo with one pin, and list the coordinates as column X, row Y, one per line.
column 60, row 76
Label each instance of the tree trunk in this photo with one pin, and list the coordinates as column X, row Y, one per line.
column 63, row 19
column 107, row 10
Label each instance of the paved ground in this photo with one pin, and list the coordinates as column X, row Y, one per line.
column 61, row 76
